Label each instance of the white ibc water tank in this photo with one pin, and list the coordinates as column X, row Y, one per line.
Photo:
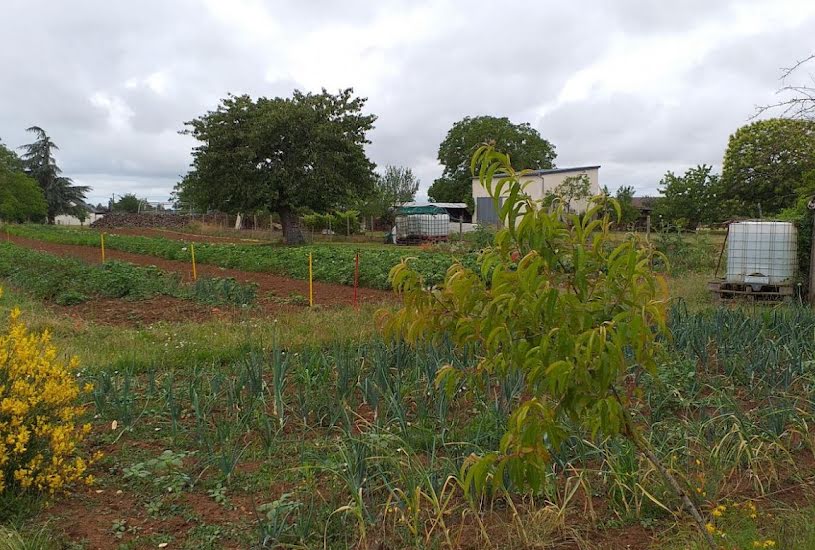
column 411, row 226
column 434, row 225
column 761, row 253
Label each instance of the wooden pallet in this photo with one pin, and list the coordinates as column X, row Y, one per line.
column 724, row 290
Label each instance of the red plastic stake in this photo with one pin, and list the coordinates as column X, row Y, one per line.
column 356, row 278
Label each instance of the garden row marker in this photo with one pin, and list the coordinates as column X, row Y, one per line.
column 310, row 283
column 102, row 238
column 192, row 253
column 356, row 278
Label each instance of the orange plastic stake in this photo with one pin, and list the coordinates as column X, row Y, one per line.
column 192, row 253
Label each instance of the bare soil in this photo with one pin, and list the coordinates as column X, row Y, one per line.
column 112, row 311
column 182, row 235
column 89, row 516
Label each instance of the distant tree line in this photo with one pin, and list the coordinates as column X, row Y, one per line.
column 305, row 154
column 767, row 167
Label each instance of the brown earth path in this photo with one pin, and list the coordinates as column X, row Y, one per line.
column 325, row 294
column 182, row 235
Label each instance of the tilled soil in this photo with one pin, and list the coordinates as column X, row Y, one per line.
column 181, row 235
column 113, row 311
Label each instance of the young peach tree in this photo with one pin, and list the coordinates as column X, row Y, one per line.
column 556, row 300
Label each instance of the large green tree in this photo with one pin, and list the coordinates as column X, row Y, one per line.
column 689, row 199
column 21, row 199
column 61, row 195
column 764, row 166
column 280, row 155
column 522, row 142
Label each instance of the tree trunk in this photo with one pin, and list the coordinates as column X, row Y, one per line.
column 292, row 232
column 642, row 445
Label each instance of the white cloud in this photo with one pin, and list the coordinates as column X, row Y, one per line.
column 117, row 111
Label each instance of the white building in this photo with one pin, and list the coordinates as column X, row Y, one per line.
column 67, row 219
column 540, row 183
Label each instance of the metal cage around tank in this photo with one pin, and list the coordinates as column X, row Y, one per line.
column 421, row 224
column 762, row 260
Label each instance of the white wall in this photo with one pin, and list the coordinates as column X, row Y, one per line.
column 64, row 219
column 538, row 186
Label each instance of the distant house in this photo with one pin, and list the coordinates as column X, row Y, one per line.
column 539, row 184
column 93, row 213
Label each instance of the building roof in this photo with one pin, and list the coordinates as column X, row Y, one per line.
column 436, row 204
column 423, row 209
column 556, row 170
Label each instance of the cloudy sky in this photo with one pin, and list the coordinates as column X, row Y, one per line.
column 637, row 86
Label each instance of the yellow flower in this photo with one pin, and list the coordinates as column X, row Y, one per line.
column 718, row 511
column 38, row 407
column 710, row 528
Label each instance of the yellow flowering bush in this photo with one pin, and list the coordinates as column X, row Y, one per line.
column 39, row 435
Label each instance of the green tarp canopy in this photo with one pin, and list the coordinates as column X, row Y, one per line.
column 429, row 209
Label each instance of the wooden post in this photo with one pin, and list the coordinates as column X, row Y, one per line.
column 721, row 252
column 102, row 239
column 648, row 227
column 348, row 226
column 192, row 254
column 310, row 283
column 812, row 258
column 460, row 229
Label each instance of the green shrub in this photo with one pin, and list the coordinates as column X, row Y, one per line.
column 686, row 252
column 338, row 222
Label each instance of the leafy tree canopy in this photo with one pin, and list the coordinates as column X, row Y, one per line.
column 61, row 195
column 396, row 185
column 21, row 199
column 522, row 142
column 127, row 203
column 628, row 212
column 764, row 166
column 690, row 199
column 281, row 155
